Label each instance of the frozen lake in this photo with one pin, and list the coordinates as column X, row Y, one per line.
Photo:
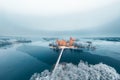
column 21, row 61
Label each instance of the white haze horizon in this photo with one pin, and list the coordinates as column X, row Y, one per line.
column 37, row 17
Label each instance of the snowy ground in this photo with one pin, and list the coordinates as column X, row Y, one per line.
column 82, row 71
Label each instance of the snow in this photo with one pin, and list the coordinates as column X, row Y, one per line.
column 82, row 71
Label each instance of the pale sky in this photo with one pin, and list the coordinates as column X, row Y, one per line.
column 53, row 7
column 57, row 15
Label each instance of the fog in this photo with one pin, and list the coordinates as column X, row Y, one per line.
column 79, row 17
